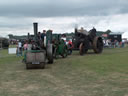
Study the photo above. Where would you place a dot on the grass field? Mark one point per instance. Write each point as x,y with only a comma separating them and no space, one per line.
90,75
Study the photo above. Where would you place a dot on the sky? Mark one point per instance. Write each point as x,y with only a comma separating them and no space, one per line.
17,16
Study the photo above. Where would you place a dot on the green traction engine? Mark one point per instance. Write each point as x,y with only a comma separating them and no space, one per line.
60,47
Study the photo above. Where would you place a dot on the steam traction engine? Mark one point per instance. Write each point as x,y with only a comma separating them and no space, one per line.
39,52
83,41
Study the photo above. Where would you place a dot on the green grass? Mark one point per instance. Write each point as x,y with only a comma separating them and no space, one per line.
90,75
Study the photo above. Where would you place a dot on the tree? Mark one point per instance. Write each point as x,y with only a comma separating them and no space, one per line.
108,31
10,36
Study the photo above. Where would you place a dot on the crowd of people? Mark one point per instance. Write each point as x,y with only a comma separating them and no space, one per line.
116,44
27,45
23,45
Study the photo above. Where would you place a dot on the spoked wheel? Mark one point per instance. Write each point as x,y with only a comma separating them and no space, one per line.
65,53
82,49
98,45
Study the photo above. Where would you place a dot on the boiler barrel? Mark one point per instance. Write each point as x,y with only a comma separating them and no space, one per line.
35,25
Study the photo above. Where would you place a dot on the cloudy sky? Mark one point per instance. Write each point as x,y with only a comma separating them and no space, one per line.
17,16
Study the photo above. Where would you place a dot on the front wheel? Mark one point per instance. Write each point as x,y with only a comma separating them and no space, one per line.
65,53
82,49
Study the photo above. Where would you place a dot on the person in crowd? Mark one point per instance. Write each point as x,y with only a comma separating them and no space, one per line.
26,46
104,42
39,35
110,43
43,35
92,33
107,43
63,37
29,47
70,47
116,44
123,43
19,48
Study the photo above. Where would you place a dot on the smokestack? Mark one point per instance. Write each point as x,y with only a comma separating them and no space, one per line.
35,25
76,31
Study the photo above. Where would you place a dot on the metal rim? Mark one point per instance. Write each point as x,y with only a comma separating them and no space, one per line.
81,49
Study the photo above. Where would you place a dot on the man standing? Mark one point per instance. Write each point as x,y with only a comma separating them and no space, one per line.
43,35
19,48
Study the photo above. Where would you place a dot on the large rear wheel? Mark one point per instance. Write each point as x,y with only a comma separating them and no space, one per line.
98,45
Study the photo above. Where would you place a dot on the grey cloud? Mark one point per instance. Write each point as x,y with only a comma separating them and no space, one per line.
17,16
8,22
52,8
